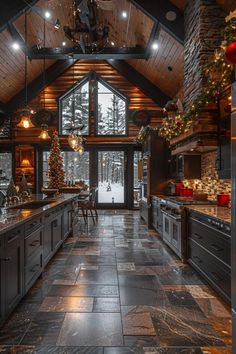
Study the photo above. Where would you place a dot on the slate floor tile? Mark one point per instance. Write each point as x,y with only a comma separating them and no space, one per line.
91,329
44,329
106,304
67,304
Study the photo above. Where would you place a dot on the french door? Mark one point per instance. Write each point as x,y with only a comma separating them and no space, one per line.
111,178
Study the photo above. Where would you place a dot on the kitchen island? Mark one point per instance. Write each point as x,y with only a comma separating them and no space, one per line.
30,234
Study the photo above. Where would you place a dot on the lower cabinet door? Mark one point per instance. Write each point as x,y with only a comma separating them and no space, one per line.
14,269
2,280
47,243
57,231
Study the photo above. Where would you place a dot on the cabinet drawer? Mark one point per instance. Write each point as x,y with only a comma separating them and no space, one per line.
215,271
215,242
32,270
14,234
33,244
32,225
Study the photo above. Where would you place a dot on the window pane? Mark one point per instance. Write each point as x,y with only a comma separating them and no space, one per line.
80,98
137,179
111,177
111,112
76,167
5,169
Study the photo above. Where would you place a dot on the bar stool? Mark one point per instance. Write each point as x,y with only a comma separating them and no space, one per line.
88,207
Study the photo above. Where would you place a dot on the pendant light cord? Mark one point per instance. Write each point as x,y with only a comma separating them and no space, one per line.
26,72
44,61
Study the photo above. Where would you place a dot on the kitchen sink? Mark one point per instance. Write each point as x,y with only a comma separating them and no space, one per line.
32,205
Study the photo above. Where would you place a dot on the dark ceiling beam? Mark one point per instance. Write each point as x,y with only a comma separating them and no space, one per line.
153,38
16,36
137,79
157,10
76,53
10,10
37,84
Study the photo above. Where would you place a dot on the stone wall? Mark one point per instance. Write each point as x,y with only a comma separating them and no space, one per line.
204,21
210,182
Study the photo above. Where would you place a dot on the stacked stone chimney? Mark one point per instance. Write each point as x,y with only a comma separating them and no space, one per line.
204,21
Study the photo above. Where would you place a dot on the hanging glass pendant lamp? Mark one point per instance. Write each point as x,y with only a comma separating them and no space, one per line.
73,139
44,132
44,127
25,114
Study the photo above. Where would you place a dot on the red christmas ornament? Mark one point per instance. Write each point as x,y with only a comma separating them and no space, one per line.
230,53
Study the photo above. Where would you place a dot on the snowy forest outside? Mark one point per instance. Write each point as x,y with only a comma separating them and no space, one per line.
111,111
5,169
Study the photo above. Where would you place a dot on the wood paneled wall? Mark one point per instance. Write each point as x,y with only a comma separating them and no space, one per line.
136,98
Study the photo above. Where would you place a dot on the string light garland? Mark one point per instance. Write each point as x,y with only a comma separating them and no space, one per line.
217,75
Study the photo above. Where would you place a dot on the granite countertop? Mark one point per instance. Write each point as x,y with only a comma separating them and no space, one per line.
12,218
219,213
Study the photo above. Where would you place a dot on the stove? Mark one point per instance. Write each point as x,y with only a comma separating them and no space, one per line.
174,222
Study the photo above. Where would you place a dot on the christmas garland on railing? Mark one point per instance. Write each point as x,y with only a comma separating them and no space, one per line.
217,74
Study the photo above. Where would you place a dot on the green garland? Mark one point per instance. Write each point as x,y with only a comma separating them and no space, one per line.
217,74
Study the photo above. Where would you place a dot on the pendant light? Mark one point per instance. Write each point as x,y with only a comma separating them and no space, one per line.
73,139
25,121
44,127
44,132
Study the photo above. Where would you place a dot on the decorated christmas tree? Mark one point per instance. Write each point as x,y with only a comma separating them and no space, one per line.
55,163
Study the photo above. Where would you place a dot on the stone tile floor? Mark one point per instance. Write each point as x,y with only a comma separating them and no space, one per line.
117,289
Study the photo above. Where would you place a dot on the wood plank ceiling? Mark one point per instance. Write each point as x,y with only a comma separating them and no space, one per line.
134,30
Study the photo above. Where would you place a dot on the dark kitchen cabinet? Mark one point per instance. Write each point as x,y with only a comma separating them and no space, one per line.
67,221
209,247
154,176
33,257
47,243
2,279
14,268
188,167
224,158
57,231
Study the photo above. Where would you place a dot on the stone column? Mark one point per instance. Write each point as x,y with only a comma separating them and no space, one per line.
204,21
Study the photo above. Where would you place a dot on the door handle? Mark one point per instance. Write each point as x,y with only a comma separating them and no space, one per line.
7,259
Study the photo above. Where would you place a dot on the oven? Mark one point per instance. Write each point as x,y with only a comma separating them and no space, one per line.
173,230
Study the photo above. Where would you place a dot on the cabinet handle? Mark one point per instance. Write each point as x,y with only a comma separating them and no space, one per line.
34,243
33,223
216,276
215,247
35,267
7,259
198,259
197,236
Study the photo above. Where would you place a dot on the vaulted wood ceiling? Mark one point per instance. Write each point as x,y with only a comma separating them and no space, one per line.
164,68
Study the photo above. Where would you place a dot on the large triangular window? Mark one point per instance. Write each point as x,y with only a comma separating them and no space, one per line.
74,109
110,108
111,111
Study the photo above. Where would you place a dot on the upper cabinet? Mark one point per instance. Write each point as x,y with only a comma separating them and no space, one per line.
185,167
223,164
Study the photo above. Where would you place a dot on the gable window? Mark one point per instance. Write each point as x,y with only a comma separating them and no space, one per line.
75,109
110,112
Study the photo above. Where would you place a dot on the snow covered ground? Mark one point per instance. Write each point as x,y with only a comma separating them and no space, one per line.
117,192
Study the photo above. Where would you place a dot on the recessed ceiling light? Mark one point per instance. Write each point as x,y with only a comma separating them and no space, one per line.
15,46
47,14
64,44
155,46
171,16
124,14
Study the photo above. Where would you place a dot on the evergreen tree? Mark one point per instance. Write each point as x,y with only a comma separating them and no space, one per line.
56,171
